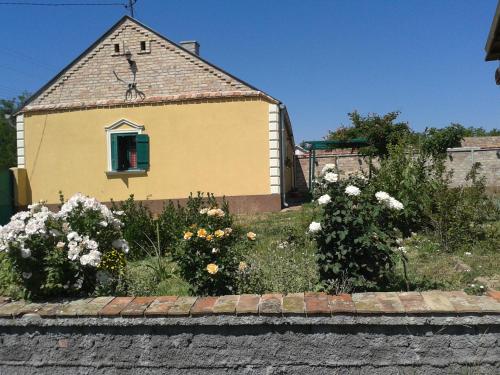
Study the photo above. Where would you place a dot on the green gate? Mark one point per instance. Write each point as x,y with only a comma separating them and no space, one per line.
6,196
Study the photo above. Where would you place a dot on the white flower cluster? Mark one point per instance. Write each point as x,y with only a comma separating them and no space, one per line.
391,202
77,245
324,199
90,204
314,227
22,226
352,190
328,168
25,225
331,177
212,212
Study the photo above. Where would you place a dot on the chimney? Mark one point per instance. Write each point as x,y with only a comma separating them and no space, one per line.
192,46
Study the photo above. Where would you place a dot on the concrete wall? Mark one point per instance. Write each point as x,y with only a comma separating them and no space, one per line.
459,159
380,345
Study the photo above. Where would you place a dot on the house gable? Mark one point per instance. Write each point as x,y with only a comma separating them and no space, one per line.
104,73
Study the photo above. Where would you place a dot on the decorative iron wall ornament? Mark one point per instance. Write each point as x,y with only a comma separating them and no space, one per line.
132,93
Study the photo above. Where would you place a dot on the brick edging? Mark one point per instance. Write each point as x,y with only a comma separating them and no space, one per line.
296,304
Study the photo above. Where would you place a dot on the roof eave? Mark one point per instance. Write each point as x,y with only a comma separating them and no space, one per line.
492,47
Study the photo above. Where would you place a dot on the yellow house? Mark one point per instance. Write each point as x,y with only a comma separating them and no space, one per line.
139,114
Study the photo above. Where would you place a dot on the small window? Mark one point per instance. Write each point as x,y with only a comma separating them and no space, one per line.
129,152
117,48
143,46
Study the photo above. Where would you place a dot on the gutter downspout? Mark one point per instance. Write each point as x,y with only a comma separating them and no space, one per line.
282,155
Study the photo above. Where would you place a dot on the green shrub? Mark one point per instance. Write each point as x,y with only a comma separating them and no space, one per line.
138,225
208,258
171,223
414,180
460,215
357,233
10,283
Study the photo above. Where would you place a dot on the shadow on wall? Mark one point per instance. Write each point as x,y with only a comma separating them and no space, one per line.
21,188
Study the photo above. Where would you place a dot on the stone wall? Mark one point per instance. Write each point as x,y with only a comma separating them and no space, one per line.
312,333
252,345
460,160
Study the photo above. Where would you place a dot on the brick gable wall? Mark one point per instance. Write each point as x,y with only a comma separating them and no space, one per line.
165,71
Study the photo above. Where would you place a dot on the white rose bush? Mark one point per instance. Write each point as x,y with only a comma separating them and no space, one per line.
61,253
357,233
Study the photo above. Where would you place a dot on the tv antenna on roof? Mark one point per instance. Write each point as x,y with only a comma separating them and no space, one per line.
130,7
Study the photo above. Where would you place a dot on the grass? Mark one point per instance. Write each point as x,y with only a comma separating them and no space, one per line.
284,257
283,260
429,267
143,280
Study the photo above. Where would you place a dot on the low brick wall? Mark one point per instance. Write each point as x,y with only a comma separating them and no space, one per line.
312,333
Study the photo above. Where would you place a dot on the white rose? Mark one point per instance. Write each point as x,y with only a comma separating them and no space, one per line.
382,196
328,167
91,259
352,190
314,227
395,204
331,177
324,199
73,236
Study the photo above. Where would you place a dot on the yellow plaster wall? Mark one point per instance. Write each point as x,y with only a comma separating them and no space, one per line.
221,147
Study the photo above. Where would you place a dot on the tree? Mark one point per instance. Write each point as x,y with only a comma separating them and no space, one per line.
435,141
8,130
380,132
472,131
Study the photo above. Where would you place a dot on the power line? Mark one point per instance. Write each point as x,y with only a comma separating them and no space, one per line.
60,4
129,5
27,58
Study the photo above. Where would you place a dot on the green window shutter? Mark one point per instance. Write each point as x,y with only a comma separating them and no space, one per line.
114,152
142,141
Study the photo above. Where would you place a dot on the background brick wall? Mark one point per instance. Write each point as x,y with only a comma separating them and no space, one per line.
460,160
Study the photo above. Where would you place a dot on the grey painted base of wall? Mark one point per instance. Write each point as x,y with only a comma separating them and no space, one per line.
252,345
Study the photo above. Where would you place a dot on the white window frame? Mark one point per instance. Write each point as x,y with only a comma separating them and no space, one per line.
115,129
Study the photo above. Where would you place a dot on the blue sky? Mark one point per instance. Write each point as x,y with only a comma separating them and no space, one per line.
322,58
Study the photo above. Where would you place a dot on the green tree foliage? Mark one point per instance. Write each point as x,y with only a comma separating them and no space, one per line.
435,142
380,131
472,131
8,130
